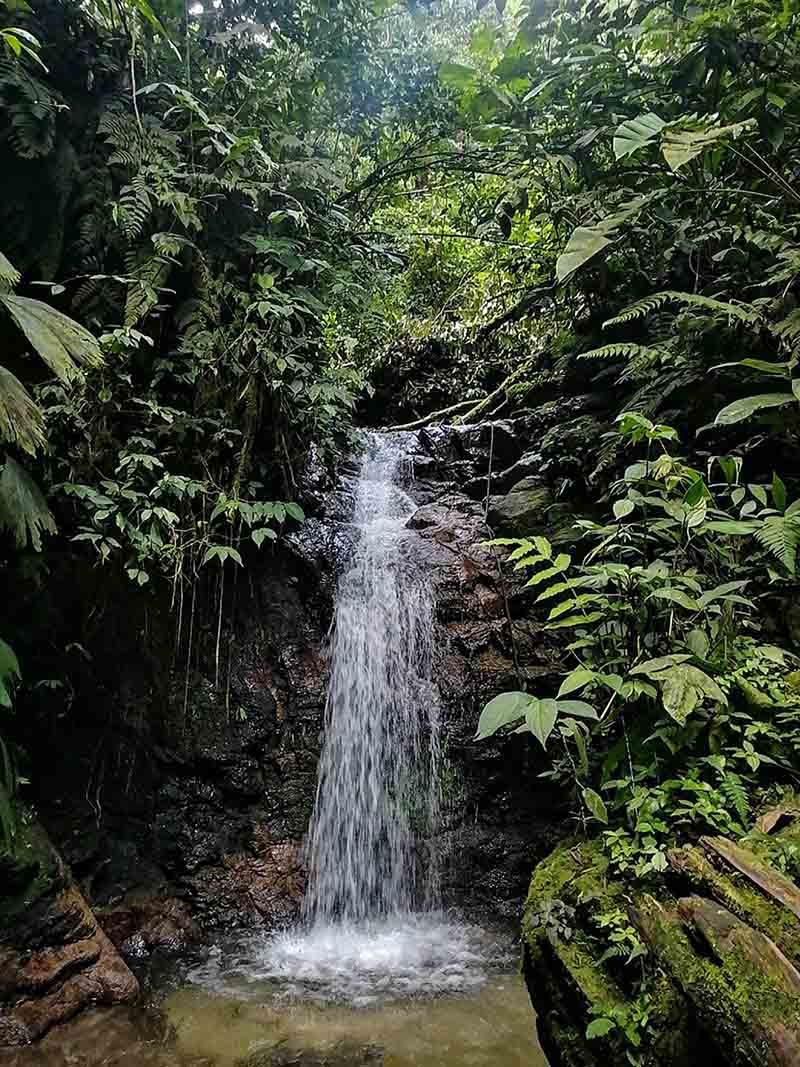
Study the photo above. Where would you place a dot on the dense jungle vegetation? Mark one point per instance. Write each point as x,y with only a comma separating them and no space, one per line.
231,231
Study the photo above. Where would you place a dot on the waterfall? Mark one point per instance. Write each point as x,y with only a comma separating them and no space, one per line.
371,927
377,793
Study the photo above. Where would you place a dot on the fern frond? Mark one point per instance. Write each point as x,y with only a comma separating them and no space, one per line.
142,294
21,421
741,312
732,788
23,508
780,534
788,329
133,208
620,350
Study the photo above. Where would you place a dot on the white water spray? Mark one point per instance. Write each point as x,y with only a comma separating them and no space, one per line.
377,794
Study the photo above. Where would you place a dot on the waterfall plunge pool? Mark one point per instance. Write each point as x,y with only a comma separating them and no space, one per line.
418,991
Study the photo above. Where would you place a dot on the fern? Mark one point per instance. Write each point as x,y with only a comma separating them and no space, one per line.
780,534
133,208
620,350
741,312
31,110
142,294
733,789
788,329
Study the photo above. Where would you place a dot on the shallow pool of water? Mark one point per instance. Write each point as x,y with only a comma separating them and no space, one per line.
413,992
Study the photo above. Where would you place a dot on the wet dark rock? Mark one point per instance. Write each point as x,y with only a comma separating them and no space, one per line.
523,509
146,921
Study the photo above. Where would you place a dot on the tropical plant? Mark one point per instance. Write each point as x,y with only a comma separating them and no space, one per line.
657,726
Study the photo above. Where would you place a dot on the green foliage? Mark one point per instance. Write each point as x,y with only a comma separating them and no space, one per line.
667,649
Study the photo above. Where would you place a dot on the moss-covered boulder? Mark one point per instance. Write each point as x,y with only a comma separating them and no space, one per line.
522,509
703,969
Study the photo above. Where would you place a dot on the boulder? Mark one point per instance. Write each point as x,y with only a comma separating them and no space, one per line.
55,960
522,510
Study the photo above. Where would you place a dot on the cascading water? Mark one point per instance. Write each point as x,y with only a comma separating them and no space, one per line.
379,767
370,927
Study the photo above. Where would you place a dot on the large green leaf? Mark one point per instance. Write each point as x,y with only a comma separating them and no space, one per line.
458,76
634,134
680,146
743,409
60,341
9,673
540,718
583,245
586,241
502,711
683,687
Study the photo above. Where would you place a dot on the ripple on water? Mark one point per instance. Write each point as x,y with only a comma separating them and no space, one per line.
357,963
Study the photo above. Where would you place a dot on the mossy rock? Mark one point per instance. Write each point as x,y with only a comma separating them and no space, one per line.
31,874
523,508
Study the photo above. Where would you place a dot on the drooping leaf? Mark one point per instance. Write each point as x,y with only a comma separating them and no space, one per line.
540,718
21,421
9,275
594,802
583,245
9,673
60,341
680,146
743,409
501,711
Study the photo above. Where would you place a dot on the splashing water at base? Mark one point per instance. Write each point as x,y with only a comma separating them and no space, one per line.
362,964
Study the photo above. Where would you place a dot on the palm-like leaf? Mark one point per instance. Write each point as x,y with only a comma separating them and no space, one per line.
61,342
21,421
23,508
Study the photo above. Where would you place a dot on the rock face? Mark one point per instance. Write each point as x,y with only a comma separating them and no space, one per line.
722,951
55,960
189,775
